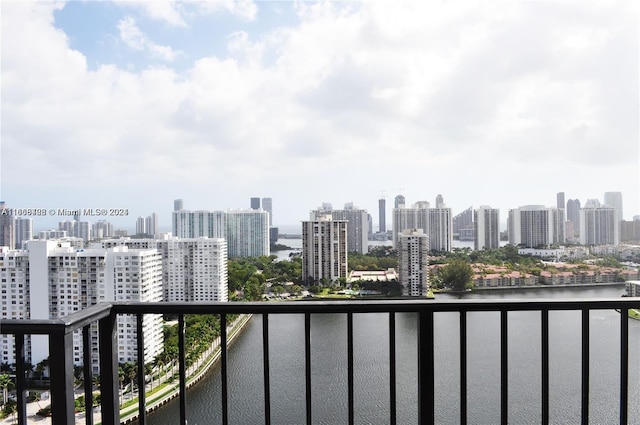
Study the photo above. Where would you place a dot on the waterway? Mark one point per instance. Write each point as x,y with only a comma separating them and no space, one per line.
329,369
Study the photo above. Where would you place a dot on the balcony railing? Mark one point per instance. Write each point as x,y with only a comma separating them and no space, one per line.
60,334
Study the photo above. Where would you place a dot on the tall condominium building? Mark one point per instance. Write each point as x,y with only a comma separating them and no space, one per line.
535,226
614,200
7,227
255,203
599,226
382,215
196,224
357,231
267,205
141,226
192,269
436,222
178,205
76,229
630,231
247,233
100,230
399,201
560,200
487,228
462,224
439,201
413,263
24,231
52,279
573,215
324,250
151,224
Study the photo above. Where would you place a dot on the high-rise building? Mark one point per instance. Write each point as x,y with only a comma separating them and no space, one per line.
193,269
439,201
267,205
599,226
462,224
399,201
435,222
7,227
357,231
53,279
413,262
151,224
255,203
573,215
24,231
324,250
382,214
141,228
440,229
197,224
178,205
99,230
487,230
630,231
535,226
614,199
560,200
247,233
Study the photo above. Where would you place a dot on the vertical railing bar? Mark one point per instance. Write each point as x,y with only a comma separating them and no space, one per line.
504,368
109,396
21,386
350,366
88,375
463,367
142,414
307,364
624,365
392,368
545,365
61,387
182,361
265,356
223,371
426,400
585,366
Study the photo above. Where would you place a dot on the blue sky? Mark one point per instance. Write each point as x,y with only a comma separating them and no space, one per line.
133,104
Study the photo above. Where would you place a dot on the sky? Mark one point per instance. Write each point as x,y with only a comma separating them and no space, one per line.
132,104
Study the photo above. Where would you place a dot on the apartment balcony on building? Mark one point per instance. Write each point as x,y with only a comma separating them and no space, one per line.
417,317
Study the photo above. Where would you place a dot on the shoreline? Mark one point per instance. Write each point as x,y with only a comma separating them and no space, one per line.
155,401
565,285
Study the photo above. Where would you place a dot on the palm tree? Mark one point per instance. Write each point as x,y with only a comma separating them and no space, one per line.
6,384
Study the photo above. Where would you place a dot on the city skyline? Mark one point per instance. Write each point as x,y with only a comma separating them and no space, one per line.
216,102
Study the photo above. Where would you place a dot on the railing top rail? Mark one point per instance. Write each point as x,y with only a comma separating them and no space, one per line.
92,314
64,324
372,306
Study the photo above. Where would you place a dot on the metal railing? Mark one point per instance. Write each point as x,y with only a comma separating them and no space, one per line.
60,334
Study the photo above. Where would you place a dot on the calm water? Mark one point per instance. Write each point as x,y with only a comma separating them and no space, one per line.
329,370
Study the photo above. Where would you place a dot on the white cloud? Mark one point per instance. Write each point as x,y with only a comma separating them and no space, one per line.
433,98
137,40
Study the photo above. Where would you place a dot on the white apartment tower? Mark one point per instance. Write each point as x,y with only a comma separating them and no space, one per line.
599,226
52,279
358,228
435,222
413,262
193,269
247,233
197,224
535,226
324,250
486,223
24,231
614,200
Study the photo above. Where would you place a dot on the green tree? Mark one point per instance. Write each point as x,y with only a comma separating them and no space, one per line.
6,383
457,274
